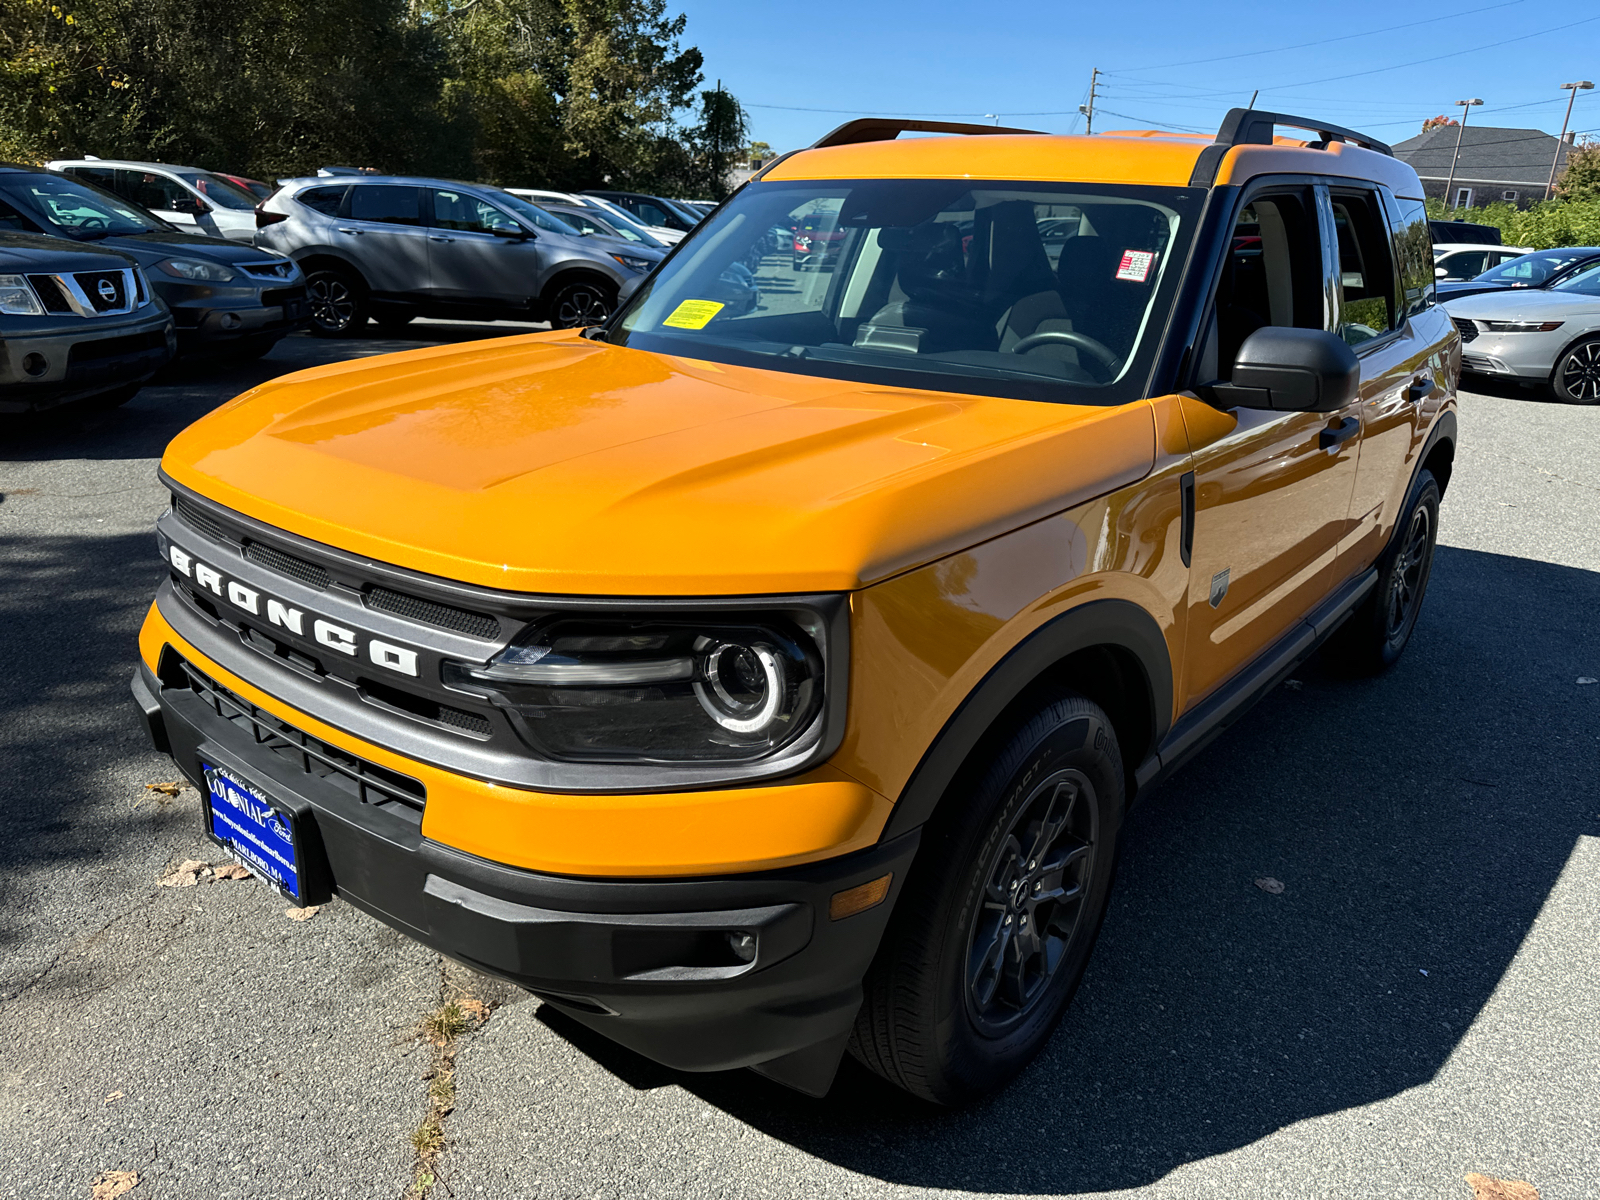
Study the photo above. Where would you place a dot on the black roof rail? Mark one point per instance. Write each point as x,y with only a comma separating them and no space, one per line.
1253,127
886,129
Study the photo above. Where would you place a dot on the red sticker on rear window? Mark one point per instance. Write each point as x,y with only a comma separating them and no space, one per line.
1136,265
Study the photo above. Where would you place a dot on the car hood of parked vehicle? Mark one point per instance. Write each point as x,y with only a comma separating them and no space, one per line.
1521,304
24,252
551,463
158,244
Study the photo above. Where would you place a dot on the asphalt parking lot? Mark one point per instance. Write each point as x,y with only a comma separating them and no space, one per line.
1421,1001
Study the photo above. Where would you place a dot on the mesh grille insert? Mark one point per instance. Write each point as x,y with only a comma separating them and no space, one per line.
444,616
287,564
1467,329
197,519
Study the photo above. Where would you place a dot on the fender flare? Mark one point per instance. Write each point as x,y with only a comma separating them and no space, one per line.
1113,623
1444,430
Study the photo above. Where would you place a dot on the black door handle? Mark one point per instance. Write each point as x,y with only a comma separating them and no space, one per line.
1419,387
1334,435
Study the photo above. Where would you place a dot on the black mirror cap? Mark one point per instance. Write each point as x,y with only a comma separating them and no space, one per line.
516,235
1295,370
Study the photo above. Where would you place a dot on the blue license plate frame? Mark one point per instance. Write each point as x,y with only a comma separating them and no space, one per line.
259,832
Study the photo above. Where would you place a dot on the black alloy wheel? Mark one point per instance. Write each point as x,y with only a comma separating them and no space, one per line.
580,304
1576,378
1033,901
338,303
994,927
1409,576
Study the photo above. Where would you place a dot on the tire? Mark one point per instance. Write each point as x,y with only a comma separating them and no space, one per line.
1377,633
581,303
1576,377
338,303
963,993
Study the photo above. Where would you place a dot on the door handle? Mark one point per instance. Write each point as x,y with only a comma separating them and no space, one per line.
349,230
1418,388
1335,435
432,238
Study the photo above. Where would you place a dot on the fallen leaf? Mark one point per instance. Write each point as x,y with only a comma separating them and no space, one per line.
1294,685
302,914
476,1009
109,1184
232,871
1585,680
1485,1187
172,788
1270,885
186,874
111,1097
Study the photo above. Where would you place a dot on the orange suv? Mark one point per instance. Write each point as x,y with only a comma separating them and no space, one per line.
760,685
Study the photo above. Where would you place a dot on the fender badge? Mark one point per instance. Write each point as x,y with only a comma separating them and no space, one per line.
1219,587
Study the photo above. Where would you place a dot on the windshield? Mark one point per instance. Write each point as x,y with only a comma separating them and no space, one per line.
218,190
624,220
76,209
1533,269
1586,282
538,217
1047,291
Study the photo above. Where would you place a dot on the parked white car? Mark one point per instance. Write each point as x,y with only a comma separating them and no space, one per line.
614,213
194,200
1468,260
1546,334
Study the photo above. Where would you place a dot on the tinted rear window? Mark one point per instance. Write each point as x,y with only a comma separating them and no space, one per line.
324,200
389,204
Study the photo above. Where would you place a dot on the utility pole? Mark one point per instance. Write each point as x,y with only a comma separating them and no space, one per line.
1088,109
1466,107
1583,85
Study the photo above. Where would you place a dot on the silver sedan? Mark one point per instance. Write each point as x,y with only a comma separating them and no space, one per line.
1549,334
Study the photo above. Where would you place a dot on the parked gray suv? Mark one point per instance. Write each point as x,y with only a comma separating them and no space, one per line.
392,248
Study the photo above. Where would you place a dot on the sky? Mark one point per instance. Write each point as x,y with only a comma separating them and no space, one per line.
800,69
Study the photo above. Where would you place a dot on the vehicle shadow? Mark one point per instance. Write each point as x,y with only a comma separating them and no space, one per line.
1510,389
188,389
1418,822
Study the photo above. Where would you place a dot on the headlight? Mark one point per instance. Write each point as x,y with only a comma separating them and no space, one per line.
1520,326
197,269
17,298
662,691
641,265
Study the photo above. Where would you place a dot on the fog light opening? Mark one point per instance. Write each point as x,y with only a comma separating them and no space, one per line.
743,945
859,898
35,364
231,320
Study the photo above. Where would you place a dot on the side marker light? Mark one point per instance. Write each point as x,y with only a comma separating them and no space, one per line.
859,898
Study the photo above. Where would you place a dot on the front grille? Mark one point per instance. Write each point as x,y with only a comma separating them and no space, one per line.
133,343
428,612
287,564
367,781
200,520
1468,329
278,297
91,282
50,293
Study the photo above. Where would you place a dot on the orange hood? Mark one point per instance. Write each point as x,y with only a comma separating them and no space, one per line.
549,463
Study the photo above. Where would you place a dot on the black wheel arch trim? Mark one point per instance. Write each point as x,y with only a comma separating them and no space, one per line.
1111,623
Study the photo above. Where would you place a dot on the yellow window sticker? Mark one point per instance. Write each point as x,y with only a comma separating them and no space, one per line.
694,314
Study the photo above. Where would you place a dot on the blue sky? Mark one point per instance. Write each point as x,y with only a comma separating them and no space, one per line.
1169,65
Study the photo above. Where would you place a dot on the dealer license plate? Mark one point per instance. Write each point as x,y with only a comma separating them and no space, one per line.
253,829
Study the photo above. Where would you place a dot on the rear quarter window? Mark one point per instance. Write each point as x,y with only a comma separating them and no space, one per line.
324,200
1413,249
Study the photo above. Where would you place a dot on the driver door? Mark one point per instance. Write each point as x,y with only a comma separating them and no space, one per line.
469,262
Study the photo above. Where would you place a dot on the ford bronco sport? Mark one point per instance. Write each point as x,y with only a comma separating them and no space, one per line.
754,686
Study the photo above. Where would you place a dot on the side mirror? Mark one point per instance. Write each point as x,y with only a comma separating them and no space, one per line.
516,235
628,288
1291,370
1441,272
191,205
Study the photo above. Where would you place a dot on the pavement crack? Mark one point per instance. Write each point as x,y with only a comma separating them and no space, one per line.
75,945
458,1015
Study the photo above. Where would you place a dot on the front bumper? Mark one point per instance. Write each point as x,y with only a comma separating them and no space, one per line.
81,358
645,961
212,316
1530,356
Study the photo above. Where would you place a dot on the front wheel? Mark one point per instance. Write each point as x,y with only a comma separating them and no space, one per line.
338,303
1576,378
582,303
993,931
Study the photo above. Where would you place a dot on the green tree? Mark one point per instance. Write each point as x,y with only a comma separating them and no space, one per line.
1580,180
717,141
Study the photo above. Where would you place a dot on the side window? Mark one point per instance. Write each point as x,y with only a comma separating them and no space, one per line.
384,203
100,176
1272,276
1465,264
1414,248
324,200
155,192
468,214
651,214
1367,307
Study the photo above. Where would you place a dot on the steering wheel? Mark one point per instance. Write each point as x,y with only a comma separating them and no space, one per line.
1079,341
93,223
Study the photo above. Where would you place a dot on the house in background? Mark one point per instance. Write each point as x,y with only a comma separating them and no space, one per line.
1495,164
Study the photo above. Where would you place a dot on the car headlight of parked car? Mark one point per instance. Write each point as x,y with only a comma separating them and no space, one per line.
17,298
634,264
655,690
1520,326
196,269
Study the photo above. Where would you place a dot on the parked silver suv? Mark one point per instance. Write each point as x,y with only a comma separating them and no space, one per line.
392,248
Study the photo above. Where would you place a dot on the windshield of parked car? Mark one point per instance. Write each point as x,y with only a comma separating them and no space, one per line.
589,222
218,190
952,285
58,204
1535,268
1586,282
537,217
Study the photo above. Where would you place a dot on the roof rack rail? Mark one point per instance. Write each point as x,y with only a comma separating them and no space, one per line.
1253,127
886,129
